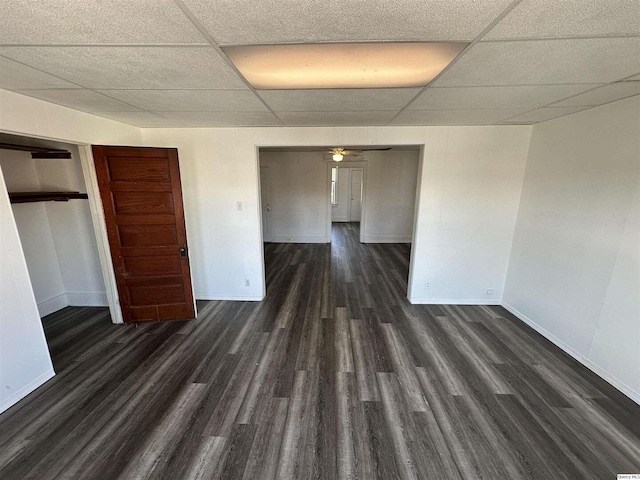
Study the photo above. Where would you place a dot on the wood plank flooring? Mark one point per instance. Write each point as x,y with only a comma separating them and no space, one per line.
333,376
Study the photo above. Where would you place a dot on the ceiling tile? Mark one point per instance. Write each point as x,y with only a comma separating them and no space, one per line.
599,96
220,119
14,75
275,21
80,99
540,62
339,118
543,114
494,97
95,22
139,119
190,100
569,18
336,100
194,119
131,67
453,117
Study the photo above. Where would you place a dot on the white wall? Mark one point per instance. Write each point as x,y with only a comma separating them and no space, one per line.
468,200
391,195
299,196
31,117
24,358
574,270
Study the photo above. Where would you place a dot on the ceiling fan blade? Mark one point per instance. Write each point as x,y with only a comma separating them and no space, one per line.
375,149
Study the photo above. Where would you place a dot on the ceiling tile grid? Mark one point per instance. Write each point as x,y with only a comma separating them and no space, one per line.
569,18
339,118
248,22
545,62
543,114
328,100
190,100
602,95
158,63
487,116
494,97
140,119
92,22
131,67
81,99
16,76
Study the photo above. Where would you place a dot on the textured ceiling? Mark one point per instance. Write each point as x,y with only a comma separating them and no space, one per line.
159,63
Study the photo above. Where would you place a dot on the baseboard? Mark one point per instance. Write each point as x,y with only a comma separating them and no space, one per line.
608,377
454,301
26,390
47,307
299,239
231,298
387,239
339,220
87,299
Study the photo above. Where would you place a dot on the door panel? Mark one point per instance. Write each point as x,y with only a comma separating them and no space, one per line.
142,199
355,205
150,266
135,203
137,169
265,200
147,235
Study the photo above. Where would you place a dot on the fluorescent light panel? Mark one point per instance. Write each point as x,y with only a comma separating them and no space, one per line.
342,65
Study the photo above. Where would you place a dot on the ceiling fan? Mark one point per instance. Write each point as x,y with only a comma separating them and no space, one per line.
338,153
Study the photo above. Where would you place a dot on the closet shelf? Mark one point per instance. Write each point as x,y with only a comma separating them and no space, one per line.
26,197
37,152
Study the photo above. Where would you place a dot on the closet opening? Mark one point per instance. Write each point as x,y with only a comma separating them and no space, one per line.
50,206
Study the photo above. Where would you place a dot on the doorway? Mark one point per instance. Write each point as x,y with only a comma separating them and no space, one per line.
306,195
50,206
346,194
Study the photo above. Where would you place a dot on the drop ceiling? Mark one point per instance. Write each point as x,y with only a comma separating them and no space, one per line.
161,63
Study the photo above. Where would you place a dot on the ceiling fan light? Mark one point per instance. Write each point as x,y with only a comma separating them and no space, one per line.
338,157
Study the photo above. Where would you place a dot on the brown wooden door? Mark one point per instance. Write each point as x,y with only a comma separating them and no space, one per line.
142,199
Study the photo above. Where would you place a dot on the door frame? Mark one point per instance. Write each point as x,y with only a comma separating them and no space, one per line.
351,171
363,207
100,230
264,216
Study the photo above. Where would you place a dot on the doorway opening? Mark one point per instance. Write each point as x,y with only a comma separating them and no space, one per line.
305,195
346,193
50,207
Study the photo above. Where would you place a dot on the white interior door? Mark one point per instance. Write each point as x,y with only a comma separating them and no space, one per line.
265,201
355,203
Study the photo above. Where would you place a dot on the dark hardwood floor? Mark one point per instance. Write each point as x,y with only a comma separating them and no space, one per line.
333,375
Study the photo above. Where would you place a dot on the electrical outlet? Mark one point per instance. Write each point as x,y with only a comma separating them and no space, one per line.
489,291
247,282
428,285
